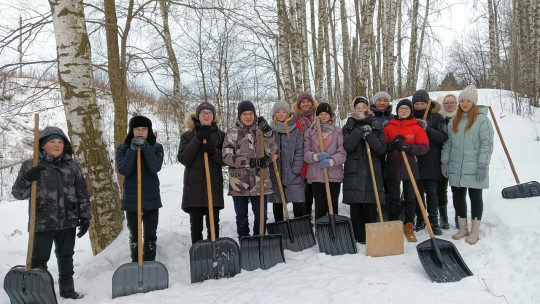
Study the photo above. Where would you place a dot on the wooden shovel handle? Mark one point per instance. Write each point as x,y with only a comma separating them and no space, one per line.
325,170
418,197
374,181
33,192
427,109
139,209
261,185
209,194
281,192
504,146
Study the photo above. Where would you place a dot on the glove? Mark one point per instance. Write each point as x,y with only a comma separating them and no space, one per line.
84,223
325,163
33,173
203,132
396,140
322,156
208,148
444,170
138,142
366,130
480,174
423,123
263,125
401,146
259,163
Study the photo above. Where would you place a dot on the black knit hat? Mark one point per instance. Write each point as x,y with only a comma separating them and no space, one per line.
324,107
205,106
420,95
359,99
405,102
243,106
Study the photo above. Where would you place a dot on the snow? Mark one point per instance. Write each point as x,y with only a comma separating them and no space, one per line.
505,262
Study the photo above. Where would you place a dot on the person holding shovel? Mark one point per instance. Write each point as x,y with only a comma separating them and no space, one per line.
465,161
242,154
62,204
403,133
360,130
333,157
290,161
141,136
201,125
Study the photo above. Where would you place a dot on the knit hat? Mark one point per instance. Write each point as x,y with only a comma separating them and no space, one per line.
469,93
420,95
281,105
359,99
381,94
243,106
205,106
404,102
50,137
302,96
324,107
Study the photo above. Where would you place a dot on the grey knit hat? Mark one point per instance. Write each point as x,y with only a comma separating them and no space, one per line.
469,93
281,105
381,94
205,106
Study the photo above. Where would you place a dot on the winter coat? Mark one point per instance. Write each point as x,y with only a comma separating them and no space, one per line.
357,183
465,151
194,192
430,163
335,150
290,164
62,196
240,145
383,116
415,136
151,162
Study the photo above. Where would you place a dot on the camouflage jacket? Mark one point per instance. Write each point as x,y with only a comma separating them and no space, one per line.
242,143
62,196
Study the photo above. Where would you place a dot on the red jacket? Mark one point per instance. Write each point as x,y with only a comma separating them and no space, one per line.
415,136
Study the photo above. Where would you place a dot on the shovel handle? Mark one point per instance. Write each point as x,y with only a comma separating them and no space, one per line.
325,170
139,209
427,109
281,192
261,186
374,181
504,146
418,197
209,195
33,193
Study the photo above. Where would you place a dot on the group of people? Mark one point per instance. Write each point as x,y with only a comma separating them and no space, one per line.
444,144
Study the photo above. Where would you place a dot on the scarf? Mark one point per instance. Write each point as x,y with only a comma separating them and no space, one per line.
306,118
327,131
290,122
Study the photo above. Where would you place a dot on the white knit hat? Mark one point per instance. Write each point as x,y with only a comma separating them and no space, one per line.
469,93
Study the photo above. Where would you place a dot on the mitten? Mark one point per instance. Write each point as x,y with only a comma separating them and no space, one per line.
396,140
203,132
444,170
138,142
84,223
322,156
259,163
325,163
480,174
401,146
33,173
366,130
422,123
208,148
263,125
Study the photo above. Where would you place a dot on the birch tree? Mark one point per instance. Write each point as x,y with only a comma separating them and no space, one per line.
411,72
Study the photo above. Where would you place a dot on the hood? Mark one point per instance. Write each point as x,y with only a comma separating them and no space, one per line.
55,130
296,110
189,121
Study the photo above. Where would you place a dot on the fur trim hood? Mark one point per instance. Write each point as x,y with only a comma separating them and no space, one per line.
189,122
296,110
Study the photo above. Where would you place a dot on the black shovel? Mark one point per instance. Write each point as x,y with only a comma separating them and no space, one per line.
440,258
22,283
137,277
297,233
214,258
520,190
261,251
334,232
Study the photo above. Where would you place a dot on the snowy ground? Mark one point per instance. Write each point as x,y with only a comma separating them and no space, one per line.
505,261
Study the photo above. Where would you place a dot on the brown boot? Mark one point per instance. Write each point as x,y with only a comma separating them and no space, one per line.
409,234
474,235
463,229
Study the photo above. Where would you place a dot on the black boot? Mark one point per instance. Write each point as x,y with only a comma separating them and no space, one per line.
134,251
67,291
149,251
443,217
435,225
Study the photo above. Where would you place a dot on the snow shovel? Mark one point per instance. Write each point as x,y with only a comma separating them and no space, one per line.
214,258
520,190
297,233
137,277
440,258
384,238
334,232
22,283
262,251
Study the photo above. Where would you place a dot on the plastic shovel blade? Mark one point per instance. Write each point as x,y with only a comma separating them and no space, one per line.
214,260
335,235
530,189
297,233
262,251
131,278
452,267
34,286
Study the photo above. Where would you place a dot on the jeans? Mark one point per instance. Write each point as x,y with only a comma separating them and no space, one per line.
241,210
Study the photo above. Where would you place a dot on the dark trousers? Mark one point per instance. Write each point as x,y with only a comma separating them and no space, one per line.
64,242
149,222
362,214
395,198
308,204
442,192
321,202
428,192
196,217
241,210
298,211
460,202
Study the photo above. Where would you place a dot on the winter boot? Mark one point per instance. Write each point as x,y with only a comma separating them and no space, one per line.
134,251
149,251
433,220
409,234
443,218
420,224
67,291
463,229
474,235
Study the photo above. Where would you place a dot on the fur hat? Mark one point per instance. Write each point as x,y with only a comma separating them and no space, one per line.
469,93
243,106
381,94
140,121
281,105
420,95
205,106
324,107
359,99
302,96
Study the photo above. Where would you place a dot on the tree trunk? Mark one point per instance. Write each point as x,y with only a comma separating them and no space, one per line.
411,72
389,32
326,39
421,46
346,56
284,51
339,102
399,90
295,42
301,11
319,63
366,45
84,120
493,43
